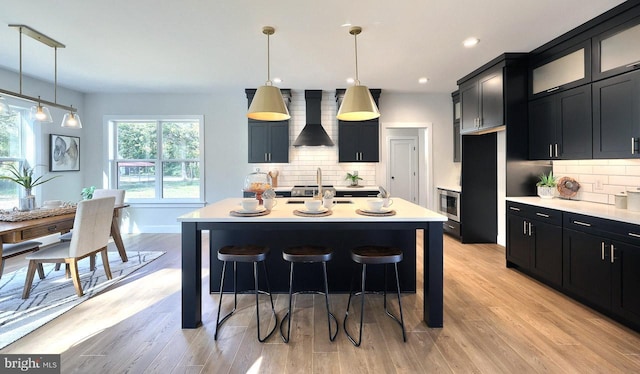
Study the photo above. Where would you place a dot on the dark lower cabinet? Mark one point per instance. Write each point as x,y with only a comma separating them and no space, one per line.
594,260
626,281
534,241
587,271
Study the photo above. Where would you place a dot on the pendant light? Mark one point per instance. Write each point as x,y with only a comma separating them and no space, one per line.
40,113
71,120
357,104
267,103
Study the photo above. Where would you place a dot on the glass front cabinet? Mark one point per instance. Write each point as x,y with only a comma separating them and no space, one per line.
617,50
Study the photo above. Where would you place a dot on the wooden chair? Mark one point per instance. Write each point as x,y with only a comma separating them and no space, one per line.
92,226
17,249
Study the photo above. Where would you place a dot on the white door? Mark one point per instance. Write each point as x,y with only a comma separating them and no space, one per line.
403,168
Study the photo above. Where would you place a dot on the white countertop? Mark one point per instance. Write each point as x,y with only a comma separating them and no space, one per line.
451,188
582,207
283,212
338,188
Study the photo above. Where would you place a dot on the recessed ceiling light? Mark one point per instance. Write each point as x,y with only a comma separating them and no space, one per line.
350,80
277,80
345,25
470,42
423,80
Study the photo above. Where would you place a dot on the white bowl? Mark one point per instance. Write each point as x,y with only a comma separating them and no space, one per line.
313,205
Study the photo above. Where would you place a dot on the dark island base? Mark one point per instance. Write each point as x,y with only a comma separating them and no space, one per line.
309,276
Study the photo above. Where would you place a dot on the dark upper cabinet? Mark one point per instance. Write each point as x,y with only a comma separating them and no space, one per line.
616,116
560,125
268,140
617,50
358,141
482,102
457,150
555,71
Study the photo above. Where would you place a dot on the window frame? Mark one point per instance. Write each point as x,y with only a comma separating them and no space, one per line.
113,159
26,152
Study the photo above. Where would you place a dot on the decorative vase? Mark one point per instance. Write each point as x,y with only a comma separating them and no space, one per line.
27,202
546,192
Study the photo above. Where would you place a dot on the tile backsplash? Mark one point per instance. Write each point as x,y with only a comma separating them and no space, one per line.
304,161
600,180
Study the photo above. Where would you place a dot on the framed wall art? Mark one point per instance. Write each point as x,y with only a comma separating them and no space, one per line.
64,153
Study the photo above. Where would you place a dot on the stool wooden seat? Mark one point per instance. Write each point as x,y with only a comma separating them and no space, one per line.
308,254
374,255
245,253
16,249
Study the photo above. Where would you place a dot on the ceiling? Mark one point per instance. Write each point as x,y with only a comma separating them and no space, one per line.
199,46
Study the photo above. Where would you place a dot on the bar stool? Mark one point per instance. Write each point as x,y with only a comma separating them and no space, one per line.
374,255
308,254
246,253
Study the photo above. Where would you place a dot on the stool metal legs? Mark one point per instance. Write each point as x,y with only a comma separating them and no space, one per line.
290,311
235,299
362,293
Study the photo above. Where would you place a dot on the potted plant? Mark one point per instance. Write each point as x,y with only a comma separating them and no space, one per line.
24,177
354,178
87,192
547,185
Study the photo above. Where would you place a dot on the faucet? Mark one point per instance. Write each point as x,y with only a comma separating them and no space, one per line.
319,181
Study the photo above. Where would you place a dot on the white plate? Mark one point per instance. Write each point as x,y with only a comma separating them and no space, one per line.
381,211
319,211
257,210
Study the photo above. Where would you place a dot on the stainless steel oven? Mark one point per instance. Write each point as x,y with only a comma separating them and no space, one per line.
449,204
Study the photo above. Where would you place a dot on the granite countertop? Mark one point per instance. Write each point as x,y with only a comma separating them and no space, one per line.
283,212
581,207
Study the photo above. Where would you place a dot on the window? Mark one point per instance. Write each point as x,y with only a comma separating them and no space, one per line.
11,152
158,159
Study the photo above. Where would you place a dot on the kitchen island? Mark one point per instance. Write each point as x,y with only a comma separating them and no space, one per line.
342,230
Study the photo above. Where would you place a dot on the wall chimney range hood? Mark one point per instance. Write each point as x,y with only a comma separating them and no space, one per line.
313,134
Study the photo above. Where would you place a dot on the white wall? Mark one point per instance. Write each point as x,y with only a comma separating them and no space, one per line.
225,149
69,185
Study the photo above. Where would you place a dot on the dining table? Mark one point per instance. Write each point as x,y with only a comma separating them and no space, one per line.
349,223
29,229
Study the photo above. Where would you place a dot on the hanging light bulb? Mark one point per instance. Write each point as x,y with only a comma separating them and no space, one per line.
41,113
357,104
71,120
267,103
4,107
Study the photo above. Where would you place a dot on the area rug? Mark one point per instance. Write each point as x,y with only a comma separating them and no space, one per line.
55,295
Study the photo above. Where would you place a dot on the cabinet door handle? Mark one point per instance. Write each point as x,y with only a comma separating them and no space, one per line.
602,250
634,64
553,89
612,253
634,235
451,227
542,215
518,209
529,228
550,150
556,149
633,146
582,223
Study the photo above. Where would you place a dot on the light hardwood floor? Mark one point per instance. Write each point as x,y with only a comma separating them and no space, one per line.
496,321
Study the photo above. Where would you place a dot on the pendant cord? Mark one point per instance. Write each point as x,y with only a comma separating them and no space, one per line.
268,60
20,37
355,40
55,74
